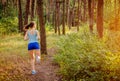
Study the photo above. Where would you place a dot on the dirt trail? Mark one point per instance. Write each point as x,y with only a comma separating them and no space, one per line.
46,71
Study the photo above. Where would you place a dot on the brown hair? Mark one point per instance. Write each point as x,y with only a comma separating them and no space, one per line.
30,25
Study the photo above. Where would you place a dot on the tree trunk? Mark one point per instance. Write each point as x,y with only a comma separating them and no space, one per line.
27,12
78,14
100,18
84,13
73,13
63,17
48,11
56,16
70,19
4,4
42,26
53,13
20,21
32,9
67,11
90,9
92,14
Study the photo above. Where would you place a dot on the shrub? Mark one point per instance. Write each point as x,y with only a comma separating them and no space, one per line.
8,25
84,57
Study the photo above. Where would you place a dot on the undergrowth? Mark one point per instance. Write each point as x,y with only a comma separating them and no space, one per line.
13,58
84,57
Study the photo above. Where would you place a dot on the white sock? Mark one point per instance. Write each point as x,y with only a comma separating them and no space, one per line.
38,57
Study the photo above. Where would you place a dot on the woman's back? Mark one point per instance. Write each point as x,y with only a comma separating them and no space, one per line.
32,36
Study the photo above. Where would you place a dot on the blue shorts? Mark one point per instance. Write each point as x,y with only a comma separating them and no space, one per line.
33,46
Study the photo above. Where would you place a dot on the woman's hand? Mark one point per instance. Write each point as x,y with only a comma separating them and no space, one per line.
26,37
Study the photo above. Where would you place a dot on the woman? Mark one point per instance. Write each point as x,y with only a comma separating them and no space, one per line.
32,35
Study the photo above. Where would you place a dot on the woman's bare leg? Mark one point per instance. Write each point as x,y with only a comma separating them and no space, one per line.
38,54
32,59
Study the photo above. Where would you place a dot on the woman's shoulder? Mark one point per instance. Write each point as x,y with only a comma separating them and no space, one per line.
27,31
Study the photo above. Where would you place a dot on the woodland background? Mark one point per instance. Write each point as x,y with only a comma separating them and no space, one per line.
84,33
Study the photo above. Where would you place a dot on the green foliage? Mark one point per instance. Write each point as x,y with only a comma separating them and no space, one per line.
48,26
84,57
8,18
8,25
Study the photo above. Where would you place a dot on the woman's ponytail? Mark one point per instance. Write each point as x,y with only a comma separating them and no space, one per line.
30,25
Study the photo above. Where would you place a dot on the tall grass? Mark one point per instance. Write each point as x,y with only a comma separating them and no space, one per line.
13,58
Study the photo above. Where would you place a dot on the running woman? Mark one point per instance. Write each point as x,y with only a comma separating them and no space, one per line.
32,35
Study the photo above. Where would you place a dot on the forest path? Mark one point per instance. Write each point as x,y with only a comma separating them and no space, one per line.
46,70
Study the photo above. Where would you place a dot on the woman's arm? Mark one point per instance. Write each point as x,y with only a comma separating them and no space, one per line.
38,35
26,37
